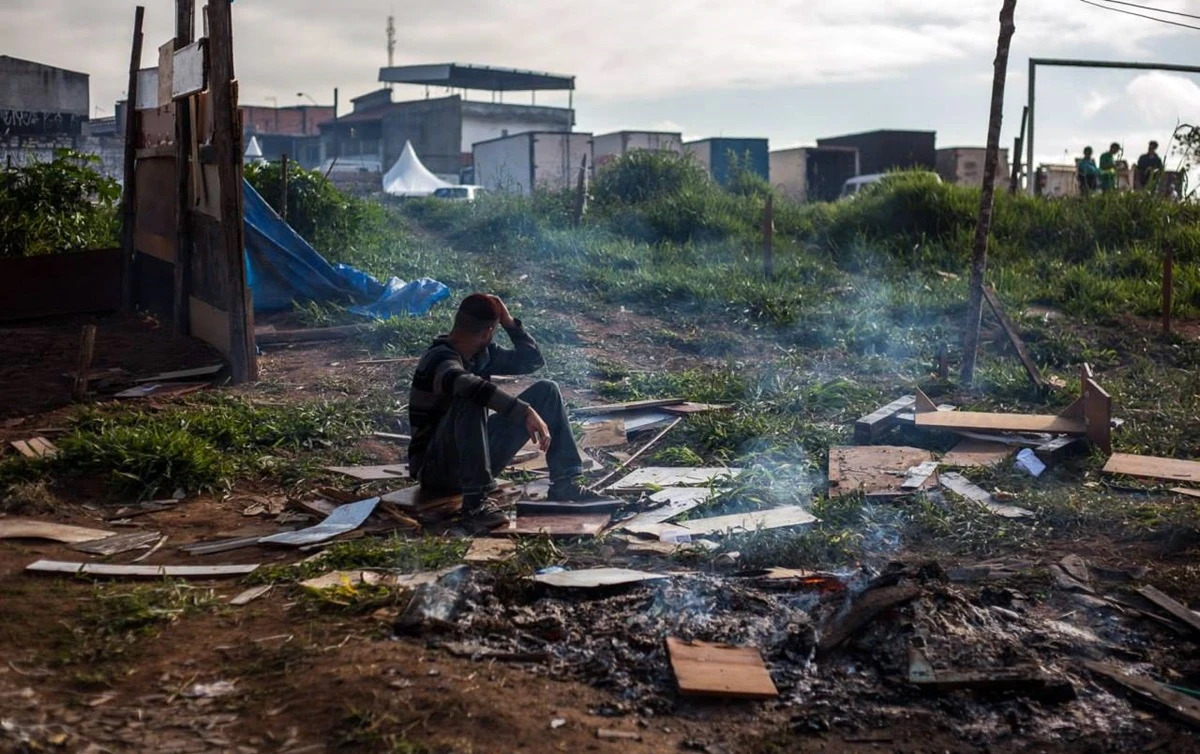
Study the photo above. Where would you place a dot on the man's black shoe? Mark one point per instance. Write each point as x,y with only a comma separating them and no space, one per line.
483,512
572,492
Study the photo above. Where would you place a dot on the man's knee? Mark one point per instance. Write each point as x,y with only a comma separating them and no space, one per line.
541,394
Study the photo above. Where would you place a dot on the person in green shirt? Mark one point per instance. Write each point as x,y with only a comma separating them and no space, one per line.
1087,173
1108,168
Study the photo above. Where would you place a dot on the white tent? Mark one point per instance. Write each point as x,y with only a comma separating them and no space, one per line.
408,177
254,151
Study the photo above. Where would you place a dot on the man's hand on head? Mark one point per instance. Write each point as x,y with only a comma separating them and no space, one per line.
502,314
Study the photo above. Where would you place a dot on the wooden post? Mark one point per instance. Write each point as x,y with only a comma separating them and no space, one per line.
226,140
1014,183
1168,283
580,194
768,236
185,31
87,348
129,195
283,189
979,253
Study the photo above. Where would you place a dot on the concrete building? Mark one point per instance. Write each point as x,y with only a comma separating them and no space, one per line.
443,130
39,100
964,166
534,161
608,147
881,151
812,174
719,155
294,131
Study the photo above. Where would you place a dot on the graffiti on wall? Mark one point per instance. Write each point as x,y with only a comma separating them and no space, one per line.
39,122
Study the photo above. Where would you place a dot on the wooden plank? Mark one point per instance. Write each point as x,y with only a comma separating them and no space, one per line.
604,434
1097,415
212,546
868,428
1185,491
487,550
189,65
583,525
557,507
23,447
129,184
43,447
875,470
991,422
1152,467
773,518
140,571
414,501
209,323
1178,705
866,608
918,475
155,245
1178,611
28,528
118,543
251,594
372,473
960,485
688,408
1014,337
208,371
594,578
161,390
343,519
87,350
674,501
165,66
970,452
617,408
654,477
707,669
310,334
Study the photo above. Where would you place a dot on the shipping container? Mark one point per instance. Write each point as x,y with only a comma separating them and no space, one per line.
964,166
608,147
881,151
812,174
718,156
536,160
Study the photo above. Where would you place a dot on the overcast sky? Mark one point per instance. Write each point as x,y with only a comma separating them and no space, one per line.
789,70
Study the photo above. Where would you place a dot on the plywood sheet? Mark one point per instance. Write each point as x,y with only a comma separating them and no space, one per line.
1153,468
140,571
971,452
874,469
581,525
592,578
673,501
704,669
209,324
651,477
989,422
372,473
604,434
774,518
28,528
118,543
486,550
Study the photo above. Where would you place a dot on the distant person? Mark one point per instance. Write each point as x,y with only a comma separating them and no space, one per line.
1149,168
1108,168
1087,173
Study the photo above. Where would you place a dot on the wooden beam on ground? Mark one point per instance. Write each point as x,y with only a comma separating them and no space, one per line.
977,421
866,608
140,571
1014,337
1177,610
1180,706
309,335
870,427
1097,415
704,669
1150,467
129,192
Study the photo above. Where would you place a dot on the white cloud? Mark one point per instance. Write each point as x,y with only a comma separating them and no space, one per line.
1160,96
1095,103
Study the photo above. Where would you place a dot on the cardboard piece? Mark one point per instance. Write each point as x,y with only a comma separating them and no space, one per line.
651,477
486,550
918,475
581,525
118,543
28,528
1151,467
372,473
773,518
674,502
604,434
875,470
704,669
591,578
960,485
251,594
970,452
343,519
140,571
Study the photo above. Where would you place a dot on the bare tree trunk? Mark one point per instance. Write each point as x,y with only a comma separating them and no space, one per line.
986,196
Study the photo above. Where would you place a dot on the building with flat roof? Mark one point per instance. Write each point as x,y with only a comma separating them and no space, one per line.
889,149
294,130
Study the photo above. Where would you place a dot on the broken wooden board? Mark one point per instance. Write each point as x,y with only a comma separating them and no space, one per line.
604,434
1186,491
557,507
705,669
1177,610
957,421
875,470
160,390
118,543
582,525
35,447
772,518
870,427
960,485
918,475
970,452
593,578
28,528
1151,467
688,408
251,594
674,502
416,502
211,546
343,519
1029,679
1014,337
866,608
487,550
182,374
655,477
140,571
618,408
1178,705
372,473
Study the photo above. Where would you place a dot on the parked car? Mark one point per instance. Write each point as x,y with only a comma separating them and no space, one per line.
859,183
459,193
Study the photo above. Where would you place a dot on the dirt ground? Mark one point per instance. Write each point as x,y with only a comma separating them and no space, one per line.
309,681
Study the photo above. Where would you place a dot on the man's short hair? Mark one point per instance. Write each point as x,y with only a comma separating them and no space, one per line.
1087,150
475,314
1114,147
1154,145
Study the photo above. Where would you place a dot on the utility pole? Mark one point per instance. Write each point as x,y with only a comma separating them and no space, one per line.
987,195
391,43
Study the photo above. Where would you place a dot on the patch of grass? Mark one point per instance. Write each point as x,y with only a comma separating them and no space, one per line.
28,498
394,553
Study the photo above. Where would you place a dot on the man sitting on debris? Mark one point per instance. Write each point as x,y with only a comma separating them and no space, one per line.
456,446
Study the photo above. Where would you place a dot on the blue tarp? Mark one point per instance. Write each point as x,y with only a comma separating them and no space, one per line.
282,268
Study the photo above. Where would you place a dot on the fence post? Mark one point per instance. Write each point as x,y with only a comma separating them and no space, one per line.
283,189
768,235
1167,288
